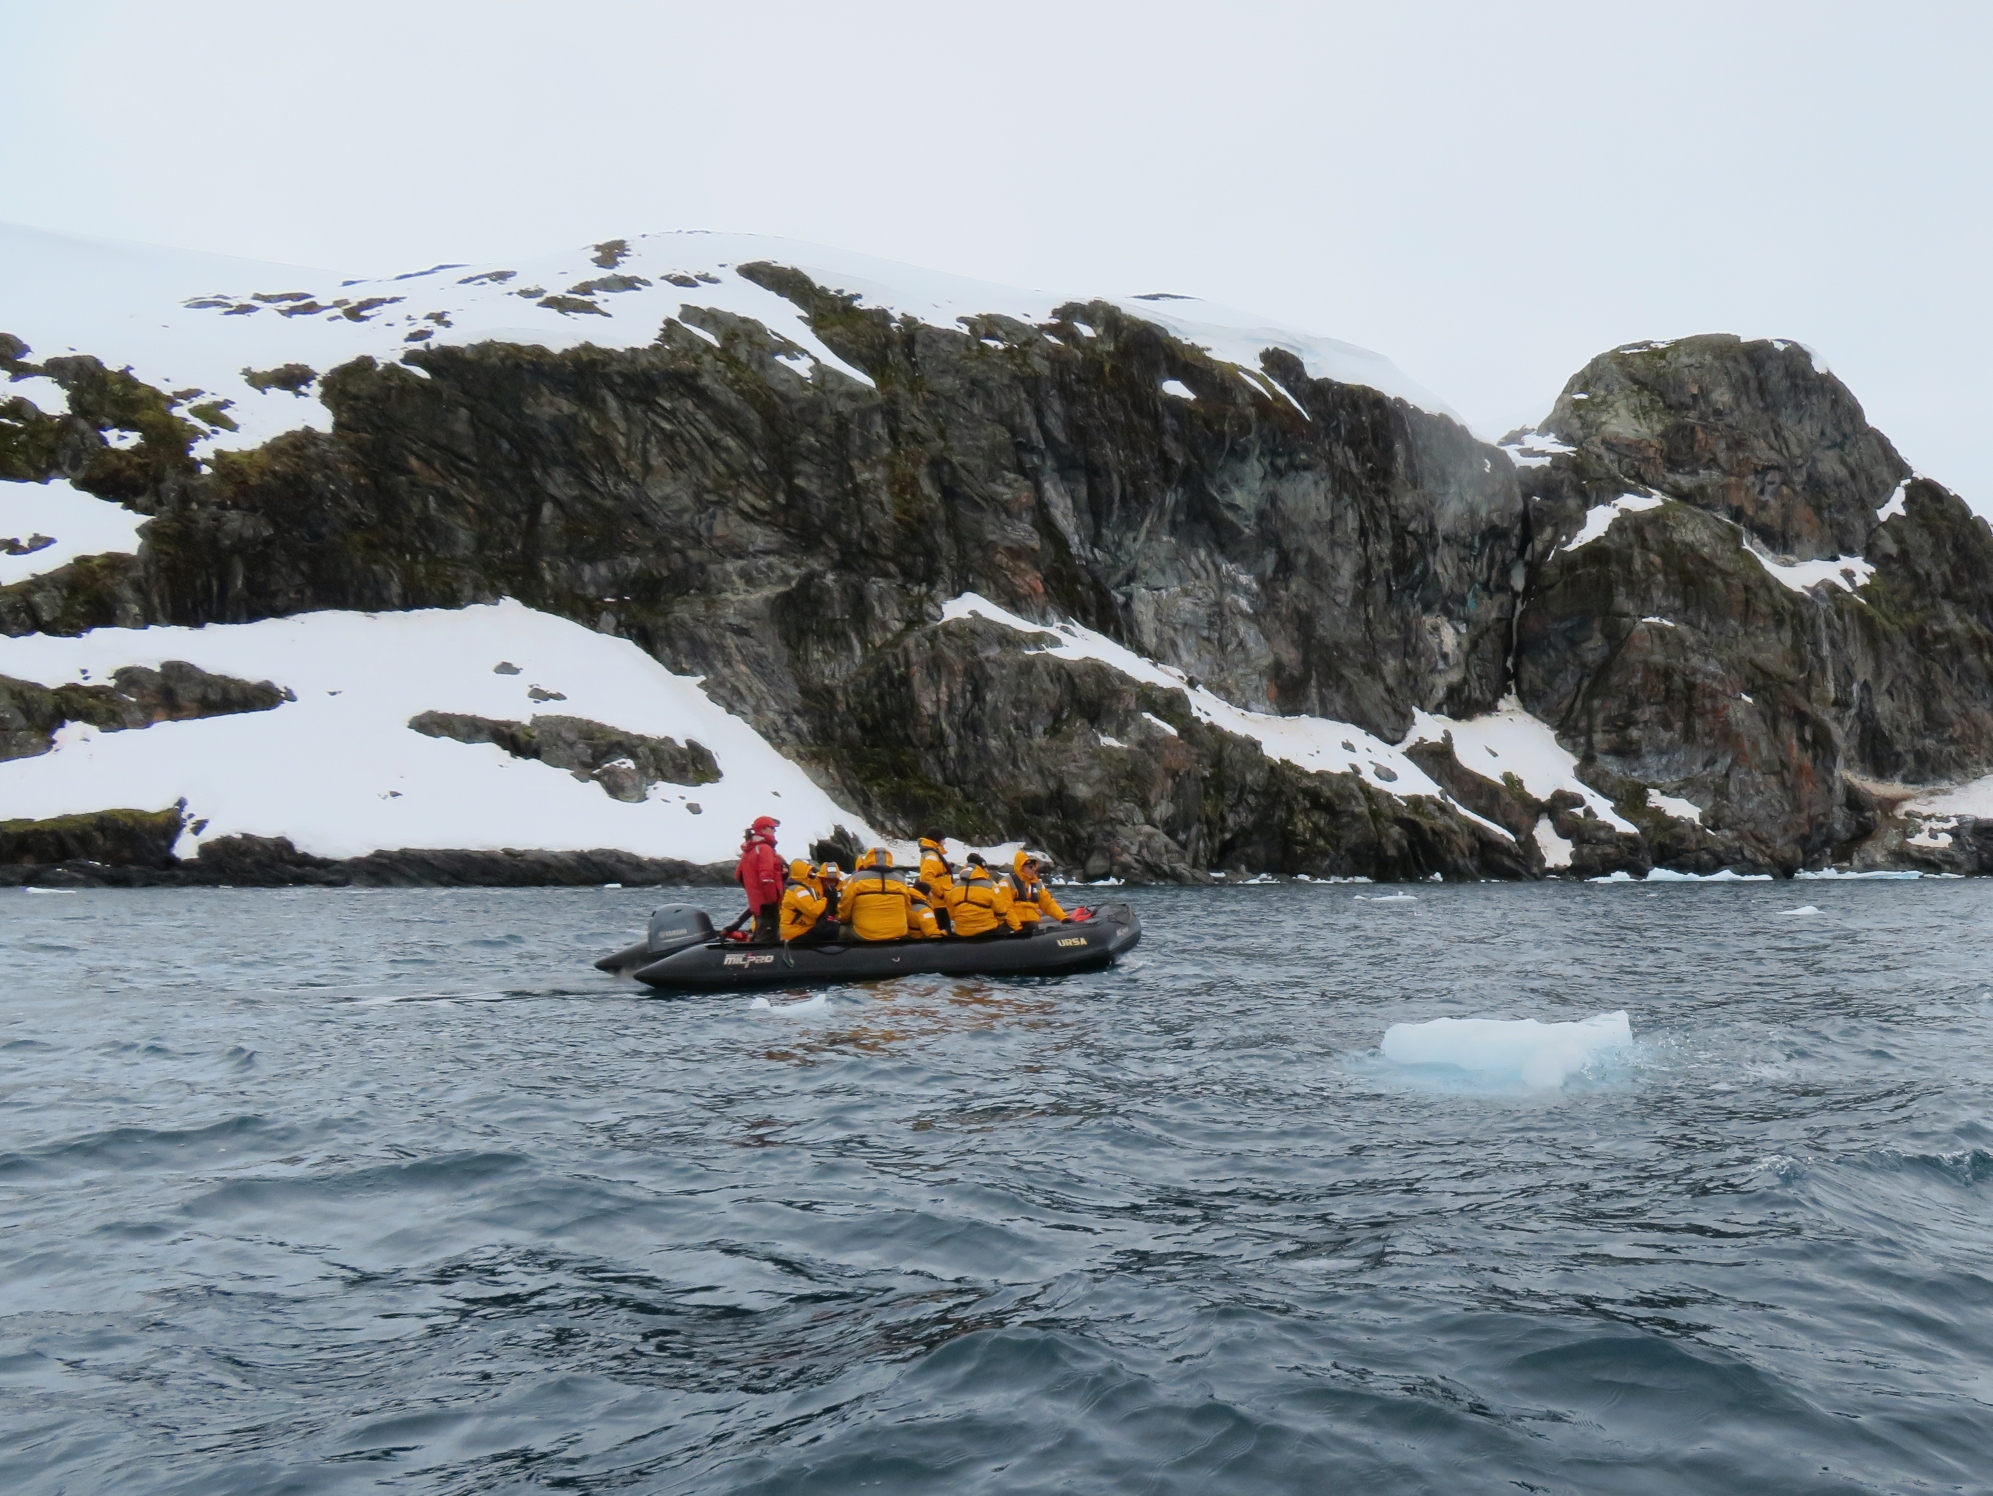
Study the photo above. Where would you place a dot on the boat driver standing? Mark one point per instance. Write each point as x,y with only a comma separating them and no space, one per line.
760,877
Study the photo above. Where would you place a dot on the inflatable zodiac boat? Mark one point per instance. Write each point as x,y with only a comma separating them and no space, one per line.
683,953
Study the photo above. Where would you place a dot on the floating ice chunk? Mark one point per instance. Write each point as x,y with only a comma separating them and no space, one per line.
1388,898
1542,1055
1669,875
1802,909
816,1004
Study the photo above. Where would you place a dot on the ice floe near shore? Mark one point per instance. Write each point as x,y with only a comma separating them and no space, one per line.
1540,1055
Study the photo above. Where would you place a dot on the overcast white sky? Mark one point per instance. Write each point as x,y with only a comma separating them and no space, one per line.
1488,193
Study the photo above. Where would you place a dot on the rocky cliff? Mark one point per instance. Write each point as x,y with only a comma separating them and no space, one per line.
1291,604
1774,621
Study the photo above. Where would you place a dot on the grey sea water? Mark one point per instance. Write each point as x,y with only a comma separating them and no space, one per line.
324,1191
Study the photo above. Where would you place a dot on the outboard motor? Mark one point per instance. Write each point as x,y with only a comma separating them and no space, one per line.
676,926
672,928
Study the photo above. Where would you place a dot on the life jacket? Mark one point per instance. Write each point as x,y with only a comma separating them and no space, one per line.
1029,898
803,903
977,904
936,876
876,901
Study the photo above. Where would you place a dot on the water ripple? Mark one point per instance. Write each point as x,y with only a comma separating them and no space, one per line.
353,1190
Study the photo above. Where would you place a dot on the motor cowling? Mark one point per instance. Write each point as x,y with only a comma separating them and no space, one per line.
676,926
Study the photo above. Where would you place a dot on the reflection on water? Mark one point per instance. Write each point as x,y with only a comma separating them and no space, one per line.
364,1190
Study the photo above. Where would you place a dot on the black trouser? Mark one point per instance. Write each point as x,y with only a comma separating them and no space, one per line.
766,920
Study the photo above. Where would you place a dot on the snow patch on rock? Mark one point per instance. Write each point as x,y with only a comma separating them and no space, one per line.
1599,518
1849,573
1307,742
1973,798
1509,740
1531,449
1681,810
76,523
43,393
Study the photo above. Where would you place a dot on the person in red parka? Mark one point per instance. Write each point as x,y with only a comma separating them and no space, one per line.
760,875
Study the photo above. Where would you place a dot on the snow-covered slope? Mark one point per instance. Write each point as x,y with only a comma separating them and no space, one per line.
46,525
186,322
340,772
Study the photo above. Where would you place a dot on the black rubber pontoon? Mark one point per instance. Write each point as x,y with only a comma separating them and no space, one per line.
707,964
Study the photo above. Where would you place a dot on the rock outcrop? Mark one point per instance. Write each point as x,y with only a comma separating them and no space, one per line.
1761,659
136,696
625,764
1295,544
1690,648
135,849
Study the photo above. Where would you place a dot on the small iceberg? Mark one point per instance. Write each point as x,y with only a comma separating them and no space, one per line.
1669,875
1387,898
1542,1055
815,1004
1802,909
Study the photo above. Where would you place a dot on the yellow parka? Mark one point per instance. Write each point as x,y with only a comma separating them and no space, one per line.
830,878
978,904
1029,897
877,903
935,878
803,902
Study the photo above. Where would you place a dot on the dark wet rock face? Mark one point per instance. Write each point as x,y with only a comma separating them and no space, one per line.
1750,431
104,839
1668,654
1294,545
1120,777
